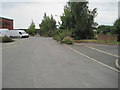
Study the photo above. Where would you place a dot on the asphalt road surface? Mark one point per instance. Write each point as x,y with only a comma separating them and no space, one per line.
0,65
44,63
108,57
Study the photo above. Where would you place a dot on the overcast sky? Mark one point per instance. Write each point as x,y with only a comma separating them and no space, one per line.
25,11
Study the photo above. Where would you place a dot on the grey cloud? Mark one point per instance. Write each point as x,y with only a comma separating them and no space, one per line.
34,0
119,9
107,11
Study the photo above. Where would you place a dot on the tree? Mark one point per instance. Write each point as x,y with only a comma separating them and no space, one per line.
31,29
106,29
117,28
47,26
77,16
67,19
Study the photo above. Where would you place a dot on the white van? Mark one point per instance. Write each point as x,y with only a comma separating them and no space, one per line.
18,33
4,32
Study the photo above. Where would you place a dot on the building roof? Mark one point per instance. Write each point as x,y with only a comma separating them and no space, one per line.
5,18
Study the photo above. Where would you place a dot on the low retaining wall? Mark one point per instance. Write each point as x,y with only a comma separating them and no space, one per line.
106,38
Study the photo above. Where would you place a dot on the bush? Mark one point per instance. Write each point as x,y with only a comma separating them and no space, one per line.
49,33
60,34
68,40
57,37
5,39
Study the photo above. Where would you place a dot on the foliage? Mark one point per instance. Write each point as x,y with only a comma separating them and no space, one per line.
57,37
31,29
68,40
77,16
47,26
60,34
67,19
5,39
117,28
105,29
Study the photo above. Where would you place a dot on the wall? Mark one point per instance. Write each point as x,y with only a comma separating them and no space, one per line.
6,23
106,38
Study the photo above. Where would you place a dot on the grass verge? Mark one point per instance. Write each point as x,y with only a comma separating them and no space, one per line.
95,41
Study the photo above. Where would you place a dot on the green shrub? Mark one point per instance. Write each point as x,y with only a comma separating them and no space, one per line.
5,39
57,37
60,34
68,40
47,34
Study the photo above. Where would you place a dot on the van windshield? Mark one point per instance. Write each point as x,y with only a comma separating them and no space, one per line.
22,32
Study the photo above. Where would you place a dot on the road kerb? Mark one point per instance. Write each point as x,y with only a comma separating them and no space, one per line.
117,64
114,69
13,44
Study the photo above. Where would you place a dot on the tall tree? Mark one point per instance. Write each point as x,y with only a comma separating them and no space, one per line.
77,16
31,29
67,19
48,25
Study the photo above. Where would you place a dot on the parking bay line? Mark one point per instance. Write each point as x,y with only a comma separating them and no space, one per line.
99,50
93,59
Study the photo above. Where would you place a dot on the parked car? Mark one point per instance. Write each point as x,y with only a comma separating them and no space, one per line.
4,32
18,33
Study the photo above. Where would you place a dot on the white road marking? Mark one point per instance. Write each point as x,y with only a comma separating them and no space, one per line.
93,59
99,50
